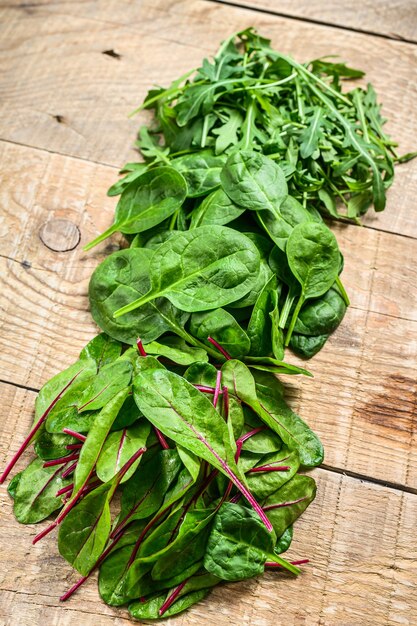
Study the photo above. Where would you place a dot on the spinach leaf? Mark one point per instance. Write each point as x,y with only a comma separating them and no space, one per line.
97,435
111,379
84,532
285,505
239,545
306,346
146,201
184,414
35,496
118,448
202,269
265,398
322,315
314,259
102,349
121,278
216,209
221,326
263,484
254,181
150,609
260,324
177,350
201,172
52,445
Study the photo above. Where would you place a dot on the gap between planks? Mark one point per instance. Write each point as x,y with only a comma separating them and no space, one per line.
311,20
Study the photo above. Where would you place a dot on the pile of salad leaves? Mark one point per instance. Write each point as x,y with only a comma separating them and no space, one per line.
176,407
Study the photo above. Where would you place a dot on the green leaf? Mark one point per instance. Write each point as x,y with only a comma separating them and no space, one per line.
118,448
111,379
96,438
121,278
201,172
177,350
202,269
216,209
35,494
285,505
221,326
254,181
147,201
239,545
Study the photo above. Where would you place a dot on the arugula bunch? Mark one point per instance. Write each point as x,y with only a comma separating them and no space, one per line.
331,145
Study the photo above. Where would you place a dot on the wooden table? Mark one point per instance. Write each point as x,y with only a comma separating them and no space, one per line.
70,73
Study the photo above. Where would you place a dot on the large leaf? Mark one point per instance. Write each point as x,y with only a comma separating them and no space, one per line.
202,269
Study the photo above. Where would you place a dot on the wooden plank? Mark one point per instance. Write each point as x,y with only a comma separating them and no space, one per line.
359,537
361,399
64,73
396,19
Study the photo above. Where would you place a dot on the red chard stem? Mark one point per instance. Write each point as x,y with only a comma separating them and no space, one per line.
171,598
217,388
33,431
79,436
141,349
219,348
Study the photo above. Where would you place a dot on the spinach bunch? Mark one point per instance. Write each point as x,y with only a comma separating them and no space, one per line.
205,460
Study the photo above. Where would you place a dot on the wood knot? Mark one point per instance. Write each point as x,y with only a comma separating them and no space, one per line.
60,235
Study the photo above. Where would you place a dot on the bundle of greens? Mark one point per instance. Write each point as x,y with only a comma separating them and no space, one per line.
206,459
177,406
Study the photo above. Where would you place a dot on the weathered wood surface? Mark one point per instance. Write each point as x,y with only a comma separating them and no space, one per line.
79,106
362,398
396,19
61,94
360,538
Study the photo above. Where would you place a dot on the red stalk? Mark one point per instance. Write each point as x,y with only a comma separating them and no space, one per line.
74,446
79,436
66,489
300,562
33,431
171,598
161,438
219,348
62,461
205,389
140,347
225,392
217,388
269,468
69,470
282,504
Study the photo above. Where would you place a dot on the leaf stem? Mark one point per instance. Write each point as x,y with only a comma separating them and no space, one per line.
79,436
171,598
33,431
294,318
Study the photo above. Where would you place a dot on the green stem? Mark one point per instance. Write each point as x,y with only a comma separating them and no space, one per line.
285,311
173,220
274,558
113,229
300,303
342,291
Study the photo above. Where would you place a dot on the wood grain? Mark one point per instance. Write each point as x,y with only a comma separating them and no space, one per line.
61,93
396,19
358,536
362,397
